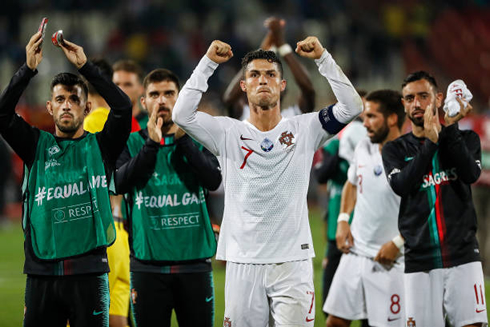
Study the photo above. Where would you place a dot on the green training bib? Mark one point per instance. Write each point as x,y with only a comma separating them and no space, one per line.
66,198
169,218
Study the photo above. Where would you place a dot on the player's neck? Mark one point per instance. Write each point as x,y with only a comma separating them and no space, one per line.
392,135
169,129
265,119
72,135
418,131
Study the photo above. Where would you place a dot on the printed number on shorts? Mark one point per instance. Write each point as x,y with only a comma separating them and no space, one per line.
480,298
249,152
395,304
308,319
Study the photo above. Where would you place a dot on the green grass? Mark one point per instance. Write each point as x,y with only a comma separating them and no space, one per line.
12,281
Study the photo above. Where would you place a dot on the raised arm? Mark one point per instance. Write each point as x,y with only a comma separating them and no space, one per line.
18,133
349,104
306,101
201,126
116,130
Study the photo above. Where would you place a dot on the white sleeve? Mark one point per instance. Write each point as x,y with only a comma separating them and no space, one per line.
352,172
349,103
204,128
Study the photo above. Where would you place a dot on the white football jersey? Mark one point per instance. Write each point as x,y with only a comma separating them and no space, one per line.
290,111
375,220
351,135
265,174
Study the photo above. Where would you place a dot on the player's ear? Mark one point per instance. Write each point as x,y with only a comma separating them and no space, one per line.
243,86
49,107
392,120
88,108
143,103
439,97
283,85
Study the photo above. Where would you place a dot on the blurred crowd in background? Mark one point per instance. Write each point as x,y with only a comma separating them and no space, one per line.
376,42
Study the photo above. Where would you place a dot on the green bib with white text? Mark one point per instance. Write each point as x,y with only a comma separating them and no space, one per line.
66,198
169,217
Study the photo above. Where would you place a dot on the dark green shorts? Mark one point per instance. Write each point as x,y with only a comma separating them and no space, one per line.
154,295
83,300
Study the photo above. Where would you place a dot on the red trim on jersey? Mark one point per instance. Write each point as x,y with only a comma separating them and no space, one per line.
441,225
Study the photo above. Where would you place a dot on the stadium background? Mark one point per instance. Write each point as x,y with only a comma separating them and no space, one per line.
376,43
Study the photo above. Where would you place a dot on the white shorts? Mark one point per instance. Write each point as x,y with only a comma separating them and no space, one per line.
456,292
365,289
283,293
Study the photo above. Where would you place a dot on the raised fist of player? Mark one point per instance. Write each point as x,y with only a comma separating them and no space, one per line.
310,48
219,52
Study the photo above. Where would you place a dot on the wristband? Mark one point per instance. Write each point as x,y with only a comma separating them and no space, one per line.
398,241
284,49
343,217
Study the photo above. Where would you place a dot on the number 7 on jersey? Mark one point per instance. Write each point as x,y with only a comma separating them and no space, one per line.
249,152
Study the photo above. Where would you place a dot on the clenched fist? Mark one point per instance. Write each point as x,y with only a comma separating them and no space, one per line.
310,48
219,52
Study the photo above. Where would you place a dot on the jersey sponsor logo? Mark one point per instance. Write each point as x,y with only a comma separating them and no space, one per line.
408,158
266,145
411,322
244,138
96,313
478,311
159,180
442,177
51,163
68,190
74,212
166,200
209,299
309,319
393,319
54,150
393,172
190,219
227,322
305,246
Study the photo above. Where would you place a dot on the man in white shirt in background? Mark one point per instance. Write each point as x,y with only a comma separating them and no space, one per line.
368,283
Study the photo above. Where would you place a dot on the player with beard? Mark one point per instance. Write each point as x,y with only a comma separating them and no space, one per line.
265,236
368,282
166,176
432,169
67,217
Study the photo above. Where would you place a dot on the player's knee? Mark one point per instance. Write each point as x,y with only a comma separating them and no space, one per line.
333,321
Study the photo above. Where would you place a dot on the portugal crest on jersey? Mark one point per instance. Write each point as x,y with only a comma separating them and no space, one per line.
227,322
287,140
411,322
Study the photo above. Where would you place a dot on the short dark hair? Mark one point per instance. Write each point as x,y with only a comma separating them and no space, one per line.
105,70
129,66
160,75
390,102
69,79
417,76
270,56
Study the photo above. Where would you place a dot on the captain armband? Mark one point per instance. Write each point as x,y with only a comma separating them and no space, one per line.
329,122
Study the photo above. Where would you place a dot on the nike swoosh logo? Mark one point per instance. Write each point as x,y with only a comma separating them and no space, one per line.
208,299
478,311
244,138
309,320
393,319
95,313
